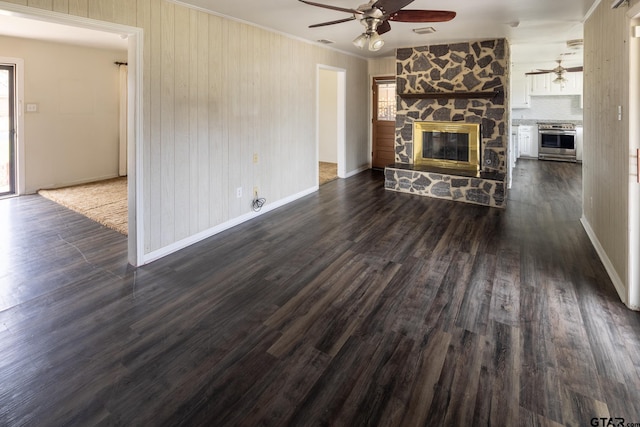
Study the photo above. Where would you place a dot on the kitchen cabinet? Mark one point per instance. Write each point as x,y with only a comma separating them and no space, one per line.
528,141
542,84
520,91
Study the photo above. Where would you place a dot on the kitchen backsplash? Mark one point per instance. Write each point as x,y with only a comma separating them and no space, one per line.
556,108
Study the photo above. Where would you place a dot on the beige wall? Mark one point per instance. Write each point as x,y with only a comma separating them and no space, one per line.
606,160
216,91
73,137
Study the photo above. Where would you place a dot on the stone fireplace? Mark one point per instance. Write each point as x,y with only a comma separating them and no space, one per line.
464,85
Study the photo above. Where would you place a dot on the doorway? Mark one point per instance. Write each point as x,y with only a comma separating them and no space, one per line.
7,130
331,123
383,122
134,37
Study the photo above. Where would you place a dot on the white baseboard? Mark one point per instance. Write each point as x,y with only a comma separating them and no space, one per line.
181,244
608,265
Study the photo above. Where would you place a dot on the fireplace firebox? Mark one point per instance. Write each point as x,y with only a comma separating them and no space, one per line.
448,145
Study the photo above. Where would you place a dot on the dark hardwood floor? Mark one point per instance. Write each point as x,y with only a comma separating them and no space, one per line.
353,306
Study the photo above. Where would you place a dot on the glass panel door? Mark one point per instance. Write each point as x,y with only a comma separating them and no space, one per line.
7,131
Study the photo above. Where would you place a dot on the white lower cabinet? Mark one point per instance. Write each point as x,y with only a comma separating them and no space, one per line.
528,141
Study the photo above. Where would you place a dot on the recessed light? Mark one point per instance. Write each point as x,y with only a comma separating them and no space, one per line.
424,30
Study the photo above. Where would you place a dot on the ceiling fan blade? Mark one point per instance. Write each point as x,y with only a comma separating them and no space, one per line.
326,6
384,27
574,69
408,15
391,6
339,21
538,72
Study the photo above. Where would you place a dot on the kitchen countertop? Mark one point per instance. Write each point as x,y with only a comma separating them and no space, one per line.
533,122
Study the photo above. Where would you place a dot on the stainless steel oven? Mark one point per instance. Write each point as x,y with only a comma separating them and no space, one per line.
557,141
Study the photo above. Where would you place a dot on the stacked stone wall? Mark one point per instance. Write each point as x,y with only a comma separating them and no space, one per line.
458,68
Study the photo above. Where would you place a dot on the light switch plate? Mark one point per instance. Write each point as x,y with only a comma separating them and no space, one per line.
32,108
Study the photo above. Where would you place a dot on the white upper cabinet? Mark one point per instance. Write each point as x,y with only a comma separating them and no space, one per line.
542,84
520,92
519,89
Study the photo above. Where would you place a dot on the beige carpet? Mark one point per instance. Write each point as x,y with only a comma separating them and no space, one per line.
104,201
328,172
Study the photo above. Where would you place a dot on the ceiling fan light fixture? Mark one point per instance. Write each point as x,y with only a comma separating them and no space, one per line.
361,41
559,79
375,42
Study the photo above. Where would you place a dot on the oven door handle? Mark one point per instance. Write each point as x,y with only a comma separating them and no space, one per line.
557,132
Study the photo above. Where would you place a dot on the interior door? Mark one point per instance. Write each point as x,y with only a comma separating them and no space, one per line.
7,131
384,121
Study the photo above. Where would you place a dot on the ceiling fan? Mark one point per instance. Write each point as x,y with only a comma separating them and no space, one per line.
559,71
375,17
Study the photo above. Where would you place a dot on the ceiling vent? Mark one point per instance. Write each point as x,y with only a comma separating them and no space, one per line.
424,30
325,41
575,44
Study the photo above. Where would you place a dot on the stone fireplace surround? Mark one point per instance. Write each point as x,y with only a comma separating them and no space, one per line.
457,82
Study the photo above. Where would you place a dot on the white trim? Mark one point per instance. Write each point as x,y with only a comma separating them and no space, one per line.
633,260
341,111
608,265
18,68
135,161
135,237
181,244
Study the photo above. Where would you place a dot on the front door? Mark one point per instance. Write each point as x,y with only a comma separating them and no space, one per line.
384,121
7,131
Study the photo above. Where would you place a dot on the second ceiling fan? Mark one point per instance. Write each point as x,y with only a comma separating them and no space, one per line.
375,17
559,71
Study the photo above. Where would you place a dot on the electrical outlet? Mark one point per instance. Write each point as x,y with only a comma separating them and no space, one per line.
255,157
239,192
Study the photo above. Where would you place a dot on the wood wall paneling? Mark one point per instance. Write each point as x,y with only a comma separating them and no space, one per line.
382,66
81,7
153,234
182,159
606,145
61,6
215,92
41,4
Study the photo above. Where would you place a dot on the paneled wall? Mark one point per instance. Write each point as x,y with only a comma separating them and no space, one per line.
216,92
382,66
606,139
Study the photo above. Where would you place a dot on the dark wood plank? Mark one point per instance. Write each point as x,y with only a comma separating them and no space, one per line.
351,306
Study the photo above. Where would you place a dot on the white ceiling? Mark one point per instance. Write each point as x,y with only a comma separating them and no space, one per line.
537,29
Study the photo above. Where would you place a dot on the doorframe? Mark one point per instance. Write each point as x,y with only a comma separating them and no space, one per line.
18,141
633,261
341,124
135,37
